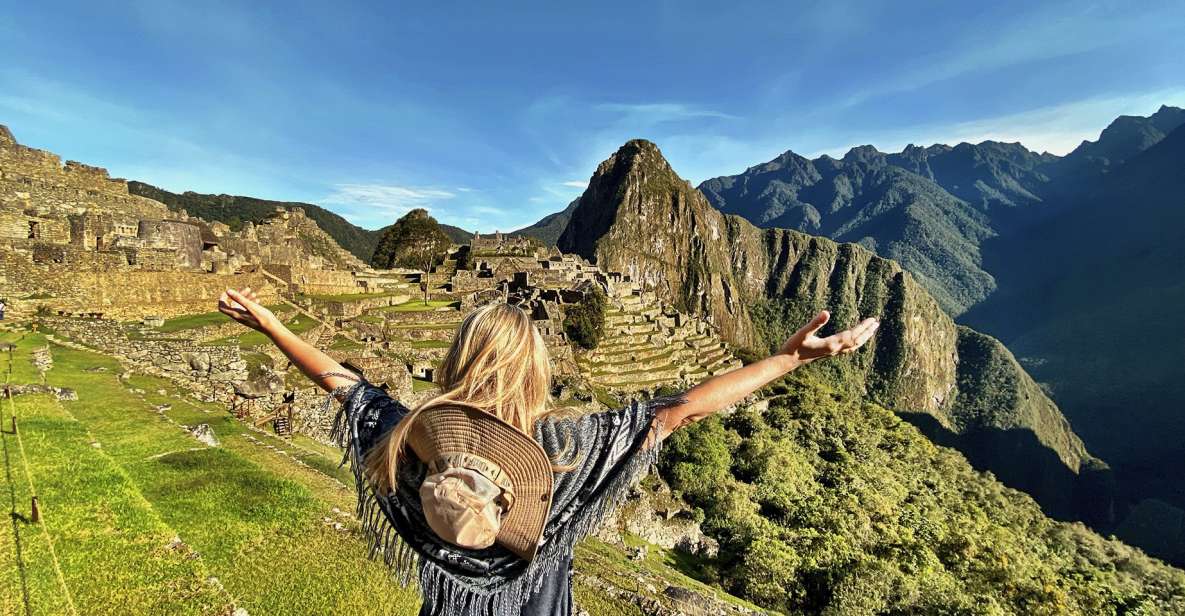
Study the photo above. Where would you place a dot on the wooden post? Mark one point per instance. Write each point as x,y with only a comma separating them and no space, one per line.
14,424
35,514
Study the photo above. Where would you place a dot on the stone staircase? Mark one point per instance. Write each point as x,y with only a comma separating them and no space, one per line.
647,345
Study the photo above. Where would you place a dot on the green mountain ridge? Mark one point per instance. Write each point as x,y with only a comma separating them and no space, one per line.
866,199
932,208
638,217
549,228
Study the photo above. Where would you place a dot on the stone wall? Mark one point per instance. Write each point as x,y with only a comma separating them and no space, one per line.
78,260
32,177
99,286
314,282
211,370
184,238
16,224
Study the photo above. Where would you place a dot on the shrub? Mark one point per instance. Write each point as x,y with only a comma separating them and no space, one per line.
585,322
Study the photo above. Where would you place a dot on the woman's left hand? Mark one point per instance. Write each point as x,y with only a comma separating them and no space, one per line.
805,346
244,307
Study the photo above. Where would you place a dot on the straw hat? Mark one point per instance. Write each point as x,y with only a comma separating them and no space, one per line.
487,482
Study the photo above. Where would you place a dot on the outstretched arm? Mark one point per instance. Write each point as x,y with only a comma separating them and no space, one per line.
244,307
803,347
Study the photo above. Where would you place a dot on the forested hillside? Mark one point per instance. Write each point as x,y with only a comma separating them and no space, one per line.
824,504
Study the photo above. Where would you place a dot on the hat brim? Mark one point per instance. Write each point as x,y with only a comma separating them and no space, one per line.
457,428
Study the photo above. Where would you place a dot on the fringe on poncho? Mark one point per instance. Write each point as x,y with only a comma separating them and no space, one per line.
610,452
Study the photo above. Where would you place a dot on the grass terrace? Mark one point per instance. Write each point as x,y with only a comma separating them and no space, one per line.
298,323
118,480
352,297
418,305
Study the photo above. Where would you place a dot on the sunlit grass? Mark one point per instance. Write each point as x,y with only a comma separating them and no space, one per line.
418,305
253,515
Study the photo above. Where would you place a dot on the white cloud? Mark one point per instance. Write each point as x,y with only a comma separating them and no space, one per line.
387,198
576,184
649,114
1056,129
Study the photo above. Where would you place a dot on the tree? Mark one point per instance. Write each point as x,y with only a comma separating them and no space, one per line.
585,322
415,241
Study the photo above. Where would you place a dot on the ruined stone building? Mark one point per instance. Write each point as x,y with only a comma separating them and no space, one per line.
73,239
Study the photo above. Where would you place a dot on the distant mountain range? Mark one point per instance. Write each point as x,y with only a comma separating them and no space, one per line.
1093,299
549,228
930,208
235,210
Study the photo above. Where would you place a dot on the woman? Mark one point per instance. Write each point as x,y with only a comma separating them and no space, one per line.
481,491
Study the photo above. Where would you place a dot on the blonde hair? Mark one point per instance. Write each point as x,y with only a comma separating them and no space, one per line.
497,362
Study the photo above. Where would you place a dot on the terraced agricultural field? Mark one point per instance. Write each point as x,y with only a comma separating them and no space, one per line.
643,348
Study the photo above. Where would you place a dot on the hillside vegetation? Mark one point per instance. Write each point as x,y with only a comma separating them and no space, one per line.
824,504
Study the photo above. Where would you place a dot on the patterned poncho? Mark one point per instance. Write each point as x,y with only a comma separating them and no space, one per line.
608,452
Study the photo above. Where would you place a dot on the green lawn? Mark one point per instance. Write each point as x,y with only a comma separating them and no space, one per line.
252,514
193,321
428,344
418,384
342,343
249,338
95,516
418,305
350,297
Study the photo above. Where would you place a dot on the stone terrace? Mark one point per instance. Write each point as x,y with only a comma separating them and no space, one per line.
646,345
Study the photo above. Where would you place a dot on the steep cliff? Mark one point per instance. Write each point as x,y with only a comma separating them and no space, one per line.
638,217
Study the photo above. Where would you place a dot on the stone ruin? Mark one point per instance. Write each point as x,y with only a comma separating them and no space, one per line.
76,241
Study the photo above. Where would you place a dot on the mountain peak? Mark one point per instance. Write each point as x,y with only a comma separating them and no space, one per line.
1129,135
863,153
632,153
639,146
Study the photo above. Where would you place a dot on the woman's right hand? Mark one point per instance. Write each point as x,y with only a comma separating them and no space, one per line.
244,307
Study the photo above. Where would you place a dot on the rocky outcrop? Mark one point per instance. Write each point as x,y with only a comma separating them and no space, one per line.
639,218
757,286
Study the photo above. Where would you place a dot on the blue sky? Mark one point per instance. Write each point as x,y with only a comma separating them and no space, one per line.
492,115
